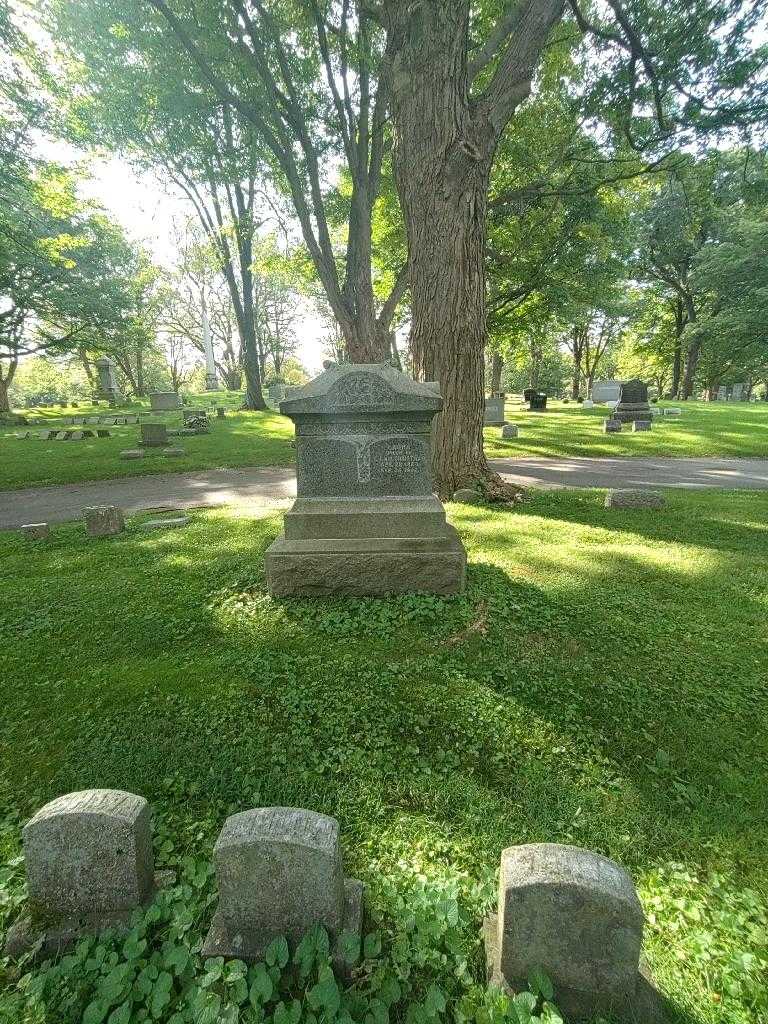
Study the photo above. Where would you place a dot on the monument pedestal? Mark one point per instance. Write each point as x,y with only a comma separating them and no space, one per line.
365,522
633,404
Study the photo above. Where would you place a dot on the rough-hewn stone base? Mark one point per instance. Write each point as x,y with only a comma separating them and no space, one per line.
628,413
634,498
250,947
643,1005
366,567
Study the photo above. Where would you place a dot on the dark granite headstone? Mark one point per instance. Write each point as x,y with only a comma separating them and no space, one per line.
633,404
365,520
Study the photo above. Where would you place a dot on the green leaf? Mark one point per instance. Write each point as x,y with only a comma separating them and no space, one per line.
325,994
161,994
277,953
539,983
261,986
121,1015
372,945
95,1012
349,947
434,1004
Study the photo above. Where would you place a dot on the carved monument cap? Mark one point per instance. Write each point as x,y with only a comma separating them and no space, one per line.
362,388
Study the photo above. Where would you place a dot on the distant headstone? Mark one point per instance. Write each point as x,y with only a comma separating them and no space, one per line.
36,531
193,414
163,401
154,435
588,403
166,524
634,498
365,521
103,520
603,391
633,404
737,392
279,873
108,388
575,916
722,393
672,412
537,400
173,453
494,412
88,859
103,433
221,412
132,453
640,425
611,426
509,430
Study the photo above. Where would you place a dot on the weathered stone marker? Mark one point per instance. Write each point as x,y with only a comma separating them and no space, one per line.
509,430
279,873
640,425
633,404
108,387
221,412
103,520
36,531
576,916
587,404
154,435
672,411
634,498
132,453
611,426
365,521
162,401
89,865
493,415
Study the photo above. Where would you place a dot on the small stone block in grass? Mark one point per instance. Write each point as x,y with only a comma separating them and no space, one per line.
611,426
640,425
509,430
672,412
103,520
634,498
132,453
468,496
166,524
173,453
36,531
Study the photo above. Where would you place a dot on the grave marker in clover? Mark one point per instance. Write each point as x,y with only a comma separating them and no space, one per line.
575,916
89,865
279,873
365,521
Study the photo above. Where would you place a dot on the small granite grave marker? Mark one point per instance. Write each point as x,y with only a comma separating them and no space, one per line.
279,873
132,453
494,411
173,453
611,426
576,916
509,430
36,531
88,859
162,401
221,412
537,400
166,524
154,435
640,425
587,404
634,498
672,412
103,520
365,521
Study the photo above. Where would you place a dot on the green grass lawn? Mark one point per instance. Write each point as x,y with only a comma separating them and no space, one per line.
602,682
242,439
264,439
723,429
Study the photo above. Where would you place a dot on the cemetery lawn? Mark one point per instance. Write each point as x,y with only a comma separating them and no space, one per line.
715,429
242,439
602,682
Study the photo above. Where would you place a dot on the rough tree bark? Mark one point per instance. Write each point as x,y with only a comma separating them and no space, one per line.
445,142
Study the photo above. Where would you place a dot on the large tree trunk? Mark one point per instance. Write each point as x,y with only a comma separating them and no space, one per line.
677,359
442,167
254,398
5,405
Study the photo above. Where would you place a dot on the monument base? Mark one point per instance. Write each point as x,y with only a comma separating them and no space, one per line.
366,567
366,547
629,413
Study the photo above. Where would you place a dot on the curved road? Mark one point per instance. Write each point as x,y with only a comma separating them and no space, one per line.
274,486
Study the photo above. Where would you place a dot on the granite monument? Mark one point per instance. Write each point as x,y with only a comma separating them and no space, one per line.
633,404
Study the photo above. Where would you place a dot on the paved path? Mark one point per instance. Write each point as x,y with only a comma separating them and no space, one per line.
274,486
